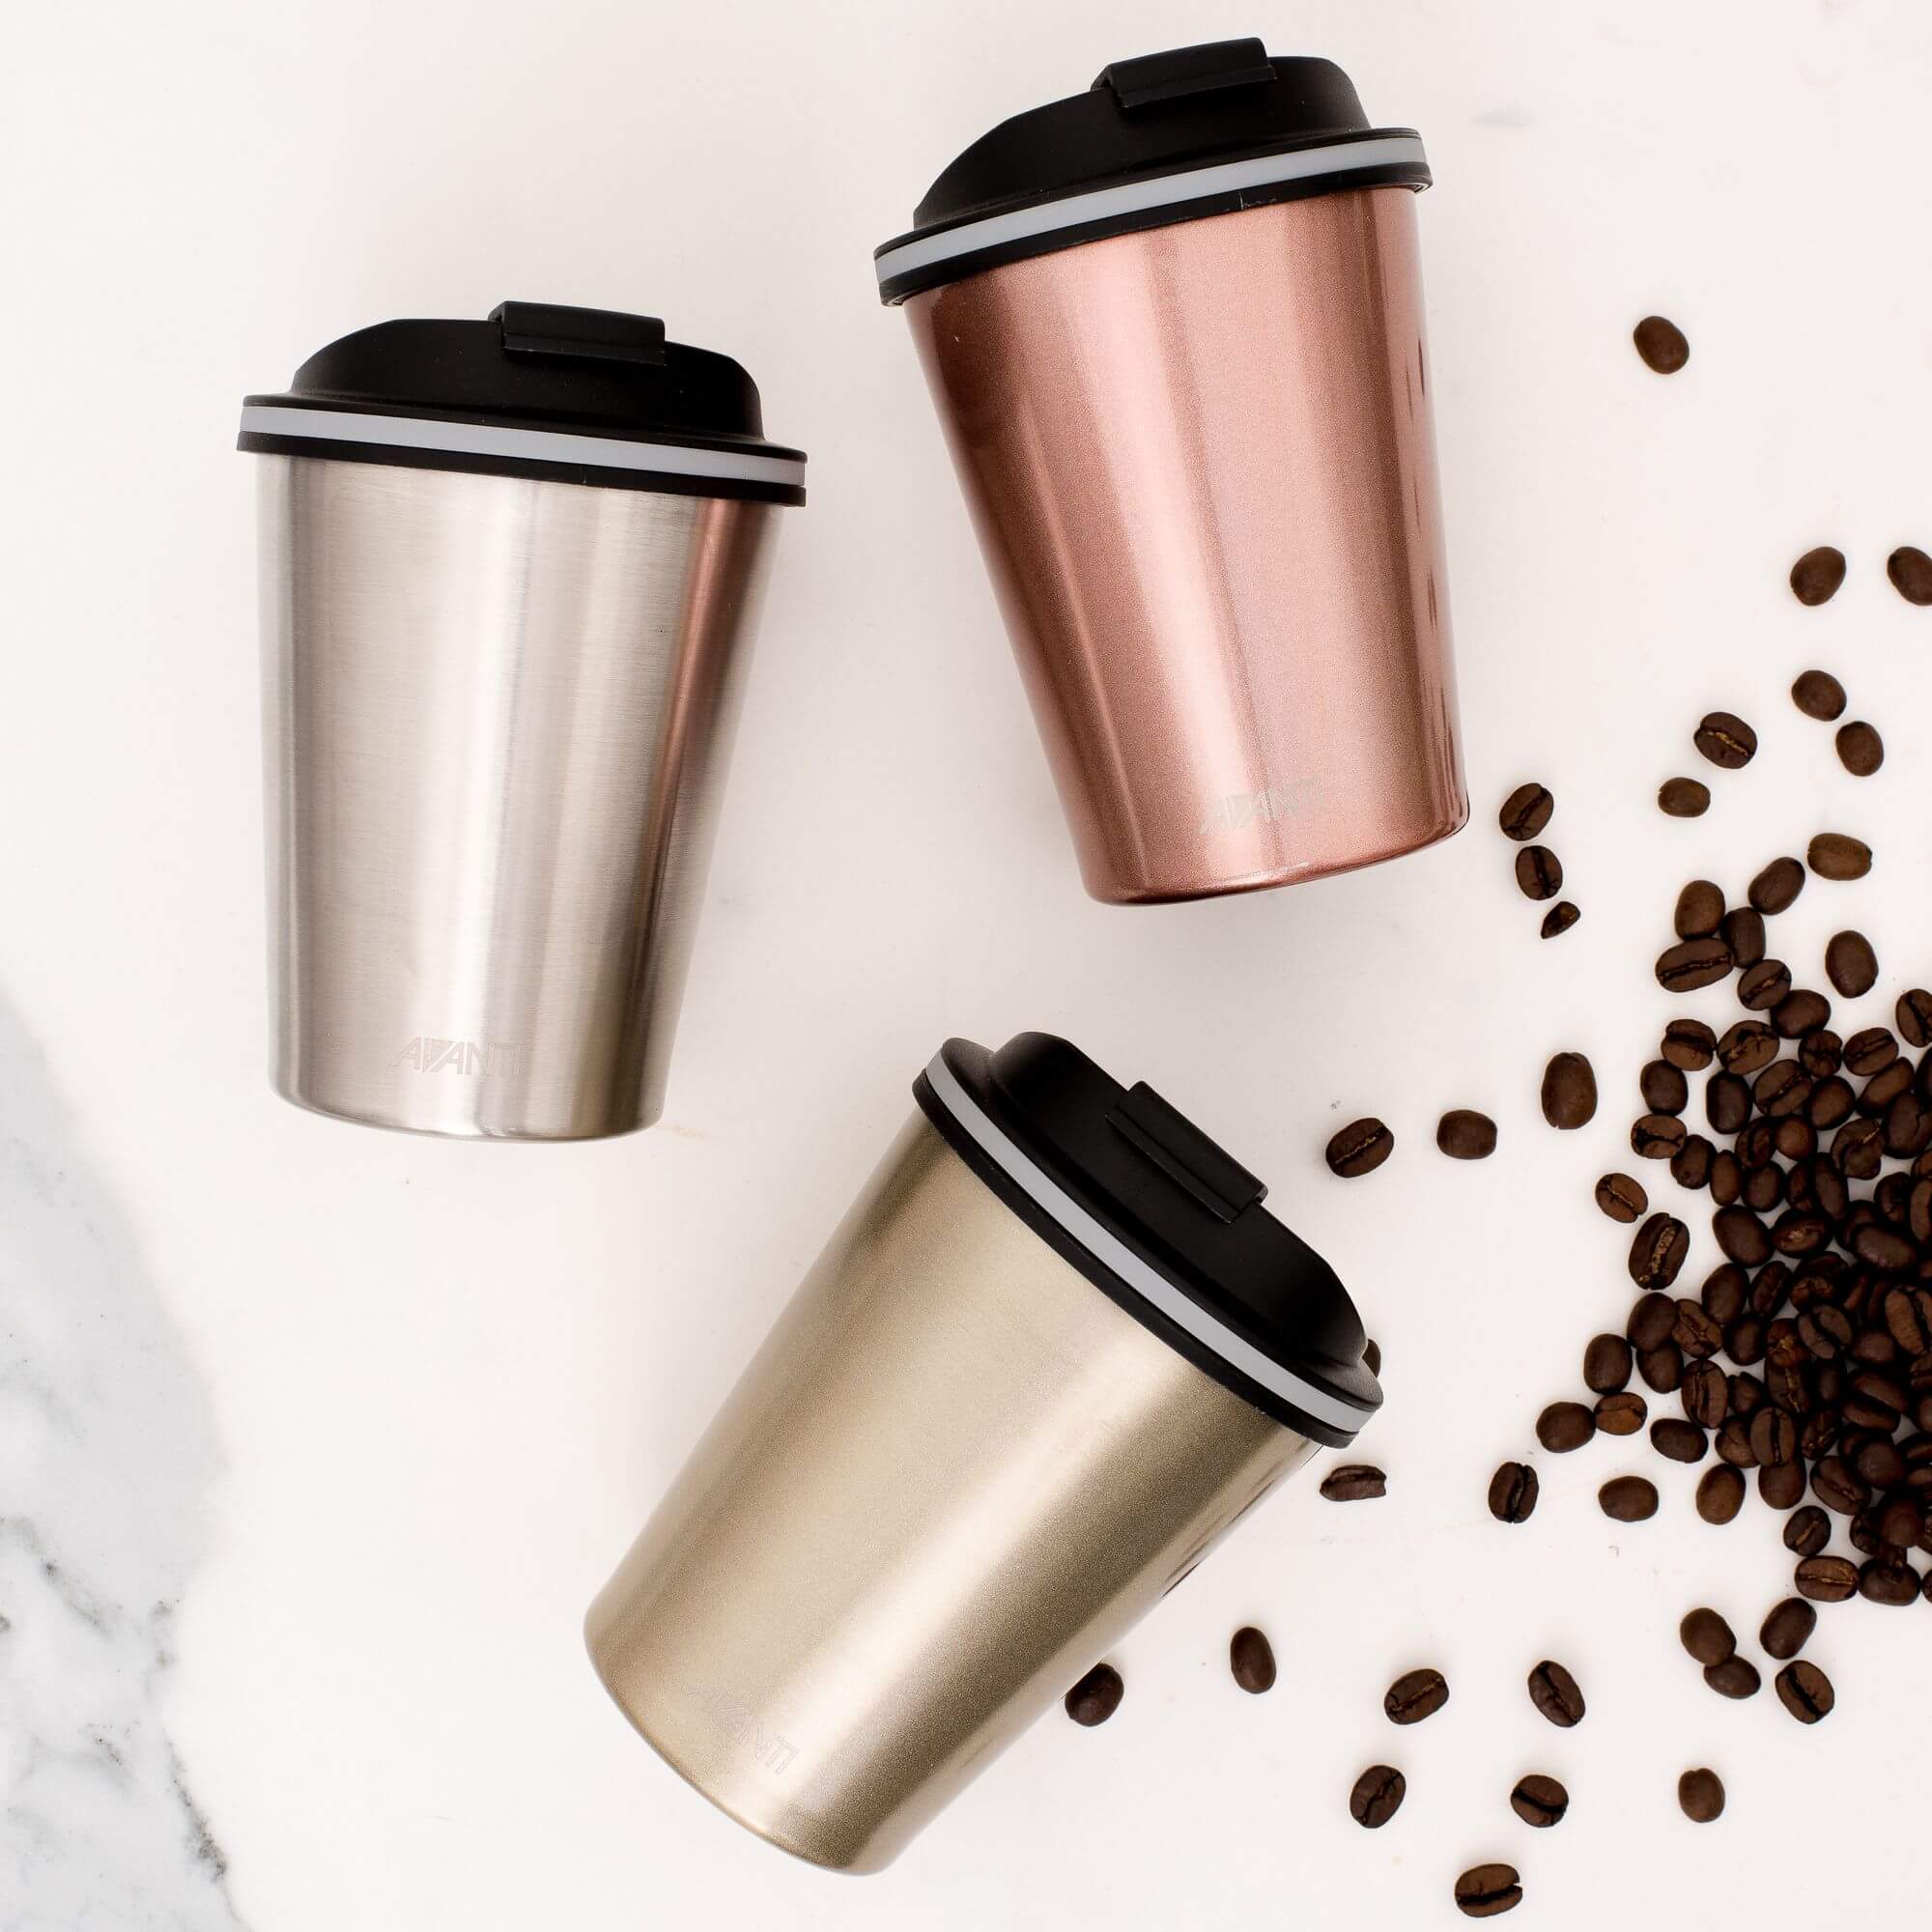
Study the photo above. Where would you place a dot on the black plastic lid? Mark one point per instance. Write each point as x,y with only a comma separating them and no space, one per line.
1218,128
578,395
1162,1221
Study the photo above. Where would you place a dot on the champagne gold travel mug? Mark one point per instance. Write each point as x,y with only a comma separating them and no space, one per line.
1174,329
1055,1349
510,572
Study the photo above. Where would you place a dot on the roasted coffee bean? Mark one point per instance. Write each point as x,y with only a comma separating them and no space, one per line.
1908,1311
1607,1364
1682,798
1555,1692
1776,886
1723,1293
1849,964
1565,1426
1760,987
1821,1053
1914,1016
1377,1796
1881,1248
1513,1491
1621,1198
1681,1442
1774,1437
1861,749
1660,1368
1741,929
1360,1147
1721,1494
1733,1444
1839,1487
1806,1692
1802,1232
1687,1046
1463,1134
1539,1800
1726,740
1251,1659
1707,1637
1743,1340
1559,918
1909,567
1538,872
1747,1046
1918,1214
1907,1129
1663,1086
1690,1164
1884,1088
1651,1318
1096,1697
1830,1104
1741,1236
1817,692
1700,906
1700,1792
1704,1393
1796,1137
1837,855
1727,1102
1414,1696
1857,1148
1657,1136
1883,1581
1873,1049
1630,1499
1781,1488
1525,811
1786,1628
1485,1890
1734,1677
1693,964
1569,1091
1901,1522
1620,1414
1808,1532
1781,1091
1727,1176
1355,1483
1799,1014
1693,1331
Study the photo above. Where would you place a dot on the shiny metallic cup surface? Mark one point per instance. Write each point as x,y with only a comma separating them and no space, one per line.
1174,329
987,1435
503,648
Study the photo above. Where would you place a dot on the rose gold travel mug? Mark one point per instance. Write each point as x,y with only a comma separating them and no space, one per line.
1055,1349
1174,329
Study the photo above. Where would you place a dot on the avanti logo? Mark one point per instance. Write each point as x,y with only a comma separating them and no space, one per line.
428,1054
1251,808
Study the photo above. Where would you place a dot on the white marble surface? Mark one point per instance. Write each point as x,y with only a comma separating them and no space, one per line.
316,1441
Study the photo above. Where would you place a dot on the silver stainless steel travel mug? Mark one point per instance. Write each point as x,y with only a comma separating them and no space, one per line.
1055,1349
510,572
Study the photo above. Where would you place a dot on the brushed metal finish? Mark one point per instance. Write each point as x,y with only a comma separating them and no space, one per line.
497,718
1202,465
954,1474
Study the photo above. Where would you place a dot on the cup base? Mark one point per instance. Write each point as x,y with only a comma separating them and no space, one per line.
451,1129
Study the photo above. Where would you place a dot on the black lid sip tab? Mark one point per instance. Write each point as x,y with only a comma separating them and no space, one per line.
1166,138
1161,1220
573,395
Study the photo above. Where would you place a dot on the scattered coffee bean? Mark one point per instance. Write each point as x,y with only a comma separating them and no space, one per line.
1909,568
1663,1086
1565,1426
1735,1677
1799,1012
1849,964
1721,1494
1806,1692
1688,1045
1741,929
1559,918
1251,1659
1682,798
1693,964
1607,1364
1860,750
1837,856
1355,1483
1883,1582
1817,692
1621,1198
1762,986
1700,906
1538,872
1096,1697
1513,1491
1622,1413
1825,1580
1776,886
1914,1016
1786,1628
1485,1890
1707,1637
1555,1692
1700,1794
1873,1049
1660,1368
1569,1091
1539,1800
1657,1136
1628,1499
1657,1251
1807,1531
1466,1135
1681,1442
1414,1696
1377,1796
1814,578
1726,740
1747,1046
1360,1147
1525,811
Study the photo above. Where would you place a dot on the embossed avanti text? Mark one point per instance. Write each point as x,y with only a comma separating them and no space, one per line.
428,1054
741,1724
1286,800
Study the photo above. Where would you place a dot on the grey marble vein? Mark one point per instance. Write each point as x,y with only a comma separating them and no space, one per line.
107,1456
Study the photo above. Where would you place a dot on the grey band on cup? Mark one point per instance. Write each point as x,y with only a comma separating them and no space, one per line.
529,445
1104,204
1153,1288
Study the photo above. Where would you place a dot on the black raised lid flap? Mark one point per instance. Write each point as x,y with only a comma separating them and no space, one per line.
1149,78
587,334
1182,1152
